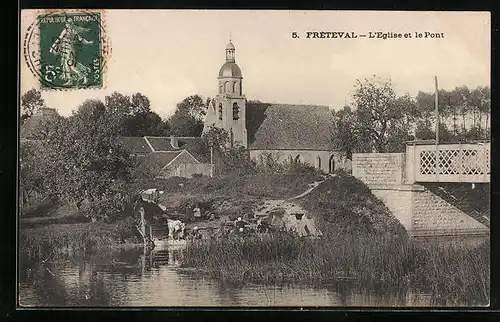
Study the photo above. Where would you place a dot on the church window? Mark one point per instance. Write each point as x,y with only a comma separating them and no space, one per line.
220,111
236,111
226,87
220,88
235,84
319,162
331,164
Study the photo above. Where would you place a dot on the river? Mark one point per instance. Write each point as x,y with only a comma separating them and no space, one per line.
137,278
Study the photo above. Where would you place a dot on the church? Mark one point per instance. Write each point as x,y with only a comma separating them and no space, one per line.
292,133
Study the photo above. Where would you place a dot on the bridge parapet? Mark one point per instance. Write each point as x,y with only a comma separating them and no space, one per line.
462,162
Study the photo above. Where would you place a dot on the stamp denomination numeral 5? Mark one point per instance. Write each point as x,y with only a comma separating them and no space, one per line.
51,72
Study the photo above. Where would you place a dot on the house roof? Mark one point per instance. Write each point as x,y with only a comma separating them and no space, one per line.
291,127
157,160
136,145
161,143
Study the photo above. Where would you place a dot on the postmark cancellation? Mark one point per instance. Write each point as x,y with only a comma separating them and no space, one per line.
67,49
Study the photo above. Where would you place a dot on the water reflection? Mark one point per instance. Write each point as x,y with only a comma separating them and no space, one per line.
138,277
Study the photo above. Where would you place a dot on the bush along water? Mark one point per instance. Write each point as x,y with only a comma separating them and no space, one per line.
53,242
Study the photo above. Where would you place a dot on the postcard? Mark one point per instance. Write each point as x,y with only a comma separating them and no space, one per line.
254,158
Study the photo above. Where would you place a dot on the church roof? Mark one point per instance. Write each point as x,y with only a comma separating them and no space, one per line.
291,127
230,69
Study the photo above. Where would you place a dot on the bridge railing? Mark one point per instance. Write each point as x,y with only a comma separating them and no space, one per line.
448,162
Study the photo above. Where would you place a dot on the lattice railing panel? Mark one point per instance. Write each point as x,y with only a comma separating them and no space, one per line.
427,162
448,162
454,161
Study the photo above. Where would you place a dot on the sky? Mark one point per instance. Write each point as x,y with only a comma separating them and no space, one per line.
168,55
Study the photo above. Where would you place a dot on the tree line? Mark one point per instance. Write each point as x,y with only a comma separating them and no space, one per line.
135,116
381,121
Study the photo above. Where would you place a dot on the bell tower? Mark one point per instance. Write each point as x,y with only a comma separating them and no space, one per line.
228,109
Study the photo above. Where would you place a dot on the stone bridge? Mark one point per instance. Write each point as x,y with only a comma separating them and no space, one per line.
410,185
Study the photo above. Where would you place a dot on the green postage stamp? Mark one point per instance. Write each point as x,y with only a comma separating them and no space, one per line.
70,46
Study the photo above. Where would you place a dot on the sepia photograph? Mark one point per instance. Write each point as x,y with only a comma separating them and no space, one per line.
253,158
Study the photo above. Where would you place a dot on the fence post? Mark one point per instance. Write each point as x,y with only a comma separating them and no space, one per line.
460,162
437,162
410,164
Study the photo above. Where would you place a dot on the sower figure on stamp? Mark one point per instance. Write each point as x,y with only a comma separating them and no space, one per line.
64,47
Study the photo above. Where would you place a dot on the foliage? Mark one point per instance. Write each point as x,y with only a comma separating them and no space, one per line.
381,114
459,107
85,162
187,119
51,241
134,115
31,102
382,121
228,157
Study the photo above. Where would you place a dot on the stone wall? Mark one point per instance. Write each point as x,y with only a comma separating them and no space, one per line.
399,203
379,168
317,159
433,216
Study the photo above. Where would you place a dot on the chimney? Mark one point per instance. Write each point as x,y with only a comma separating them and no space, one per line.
173,142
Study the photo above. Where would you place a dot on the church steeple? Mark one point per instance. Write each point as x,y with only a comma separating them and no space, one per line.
228,110
230,52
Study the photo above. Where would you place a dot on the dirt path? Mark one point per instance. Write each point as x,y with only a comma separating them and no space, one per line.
288,205
312,186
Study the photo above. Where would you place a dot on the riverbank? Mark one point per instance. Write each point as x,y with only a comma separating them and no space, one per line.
55,241
455,274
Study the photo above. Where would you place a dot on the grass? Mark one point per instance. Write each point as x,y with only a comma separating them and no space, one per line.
454,275
270,185
345,204
62,240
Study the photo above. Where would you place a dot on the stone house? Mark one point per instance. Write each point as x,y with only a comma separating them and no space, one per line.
166,156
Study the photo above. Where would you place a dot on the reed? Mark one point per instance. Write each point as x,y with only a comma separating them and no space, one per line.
453,274
60,240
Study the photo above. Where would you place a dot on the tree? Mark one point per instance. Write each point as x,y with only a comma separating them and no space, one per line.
456,107
31,102
227,158
344,136
134,116
140,104
379,112
87,165
187,119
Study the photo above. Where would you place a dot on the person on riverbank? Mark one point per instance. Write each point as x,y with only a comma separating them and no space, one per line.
195,234
221,232
240,223
197,212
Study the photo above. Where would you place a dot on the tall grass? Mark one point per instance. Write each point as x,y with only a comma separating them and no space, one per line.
453,274
60,240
